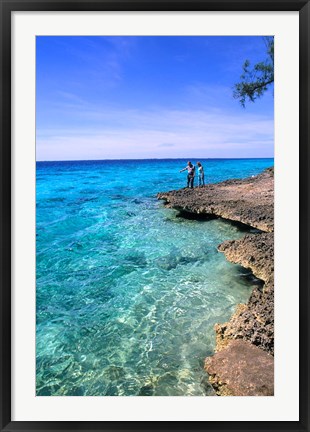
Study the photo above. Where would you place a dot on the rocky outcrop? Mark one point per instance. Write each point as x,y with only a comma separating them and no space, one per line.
253,251
241,369
248,201
255,320
250,331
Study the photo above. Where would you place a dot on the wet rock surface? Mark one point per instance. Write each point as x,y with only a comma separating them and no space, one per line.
241,370
251,328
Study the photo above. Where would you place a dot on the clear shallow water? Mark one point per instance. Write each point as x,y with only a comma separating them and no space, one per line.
127,292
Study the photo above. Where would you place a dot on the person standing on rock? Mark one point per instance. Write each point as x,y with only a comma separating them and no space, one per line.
190,174
201,175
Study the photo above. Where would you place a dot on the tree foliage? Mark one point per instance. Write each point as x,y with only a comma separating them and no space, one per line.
255,81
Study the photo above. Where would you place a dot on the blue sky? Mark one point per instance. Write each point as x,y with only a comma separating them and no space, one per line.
124,97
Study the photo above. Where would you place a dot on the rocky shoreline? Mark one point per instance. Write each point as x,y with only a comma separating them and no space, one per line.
243,361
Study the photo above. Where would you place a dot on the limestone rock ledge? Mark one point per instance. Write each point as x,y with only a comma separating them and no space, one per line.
241,369
255,320
249,201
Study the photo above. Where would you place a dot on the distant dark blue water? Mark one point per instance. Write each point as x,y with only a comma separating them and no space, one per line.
127,292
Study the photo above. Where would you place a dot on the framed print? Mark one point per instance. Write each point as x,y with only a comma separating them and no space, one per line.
154,219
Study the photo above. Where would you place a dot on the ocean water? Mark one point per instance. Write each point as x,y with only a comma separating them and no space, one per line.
128,292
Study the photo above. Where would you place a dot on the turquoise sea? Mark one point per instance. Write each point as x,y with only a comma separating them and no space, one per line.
128,292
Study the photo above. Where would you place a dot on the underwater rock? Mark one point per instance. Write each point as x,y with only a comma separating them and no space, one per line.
137,201
173,259
114,373
137,259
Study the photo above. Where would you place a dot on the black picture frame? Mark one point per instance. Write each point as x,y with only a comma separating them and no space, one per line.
9,6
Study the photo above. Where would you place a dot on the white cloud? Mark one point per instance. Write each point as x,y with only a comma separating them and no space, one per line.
157,133
166,145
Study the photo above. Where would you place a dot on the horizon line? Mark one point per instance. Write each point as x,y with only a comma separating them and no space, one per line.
147,159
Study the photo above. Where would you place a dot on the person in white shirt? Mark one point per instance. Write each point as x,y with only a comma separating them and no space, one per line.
201,175
190,174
